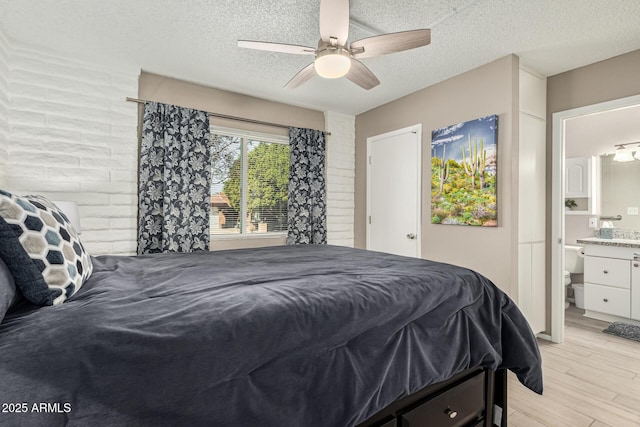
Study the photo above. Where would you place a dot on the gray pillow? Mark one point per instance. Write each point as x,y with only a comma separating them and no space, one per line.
8,292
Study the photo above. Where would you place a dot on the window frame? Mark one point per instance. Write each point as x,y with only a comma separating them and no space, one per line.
245,136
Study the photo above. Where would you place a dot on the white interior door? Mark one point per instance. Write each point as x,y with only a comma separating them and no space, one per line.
393,191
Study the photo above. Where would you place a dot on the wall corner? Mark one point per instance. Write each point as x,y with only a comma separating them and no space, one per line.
340,178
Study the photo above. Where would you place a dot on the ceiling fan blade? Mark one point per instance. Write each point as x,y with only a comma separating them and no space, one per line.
302,77
277,47
361,75
390,43
334,20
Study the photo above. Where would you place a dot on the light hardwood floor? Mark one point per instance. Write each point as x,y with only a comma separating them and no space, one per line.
591,379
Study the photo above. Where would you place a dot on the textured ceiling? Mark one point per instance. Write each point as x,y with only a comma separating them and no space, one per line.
195,40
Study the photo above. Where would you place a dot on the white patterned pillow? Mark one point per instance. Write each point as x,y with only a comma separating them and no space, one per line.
42,249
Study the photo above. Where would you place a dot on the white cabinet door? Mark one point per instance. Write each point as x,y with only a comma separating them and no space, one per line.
635,289
576,177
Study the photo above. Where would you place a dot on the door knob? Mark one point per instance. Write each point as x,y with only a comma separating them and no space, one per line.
411,236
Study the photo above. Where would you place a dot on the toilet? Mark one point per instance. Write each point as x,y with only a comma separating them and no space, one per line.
574,264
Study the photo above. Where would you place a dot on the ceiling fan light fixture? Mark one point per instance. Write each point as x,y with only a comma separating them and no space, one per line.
332,63
335,57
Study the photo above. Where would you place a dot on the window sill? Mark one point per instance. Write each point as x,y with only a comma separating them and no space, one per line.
220,237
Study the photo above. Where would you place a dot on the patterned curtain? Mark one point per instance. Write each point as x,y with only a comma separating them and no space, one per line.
307,208
174,180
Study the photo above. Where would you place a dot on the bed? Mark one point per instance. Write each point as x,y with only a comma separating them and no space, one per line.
309,335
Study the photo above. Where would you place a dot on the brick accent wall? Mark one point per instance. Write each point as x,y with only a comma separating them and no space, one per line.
67,132
73,136
340,178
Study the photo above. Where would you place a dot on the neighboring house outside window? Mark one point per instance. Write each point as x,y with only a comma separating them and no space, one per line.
249,183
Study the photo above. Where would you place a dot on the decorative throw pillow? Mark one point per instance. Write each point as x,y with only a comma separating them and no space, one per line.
41,249
8,292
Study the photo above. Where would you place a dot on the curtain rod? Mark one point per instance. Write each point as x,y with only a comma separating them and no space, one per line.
240,119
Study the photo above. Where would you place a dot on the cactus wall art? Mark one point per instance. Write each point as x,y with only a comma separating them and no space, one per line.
463,173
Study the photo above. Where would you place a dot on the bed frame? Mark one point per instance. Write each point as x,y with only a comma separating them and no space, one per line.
475,397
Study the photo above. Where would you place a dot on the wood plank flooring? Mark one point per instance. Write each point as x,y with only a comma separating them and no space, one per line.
591,379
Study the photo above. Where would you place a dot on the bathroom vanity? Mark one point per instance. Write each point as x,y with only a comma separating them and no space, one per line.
612,279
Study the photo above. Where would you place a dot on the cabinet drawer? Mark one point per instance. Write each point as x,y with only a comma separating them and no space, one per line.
607,271
455,407
606,299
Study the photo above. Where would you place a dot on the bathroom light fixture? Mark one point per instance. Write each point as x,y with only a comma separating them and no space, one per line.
623,154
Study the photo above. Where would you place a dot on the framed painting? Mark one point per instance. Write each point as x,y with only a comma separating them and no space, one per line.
463,173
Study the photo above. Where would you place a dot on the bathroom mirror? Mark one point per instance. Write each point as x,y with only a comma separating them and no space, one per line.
620,190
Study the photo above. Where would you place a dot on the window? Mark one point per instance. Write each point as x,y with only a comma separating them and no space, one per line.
249,183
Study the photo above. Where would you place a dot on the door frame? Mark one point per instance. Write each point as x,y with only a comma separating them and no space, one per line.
557,203
417,131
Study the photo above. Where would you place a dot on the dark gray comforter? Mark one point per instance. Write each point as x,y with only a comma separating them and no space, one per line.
287,336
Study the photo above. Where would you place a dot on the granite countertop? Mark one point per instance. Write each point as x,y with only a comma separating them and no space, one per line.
621,243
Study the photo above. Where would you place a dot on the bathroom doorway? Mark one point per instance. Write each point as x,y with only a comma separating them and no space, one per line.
560,124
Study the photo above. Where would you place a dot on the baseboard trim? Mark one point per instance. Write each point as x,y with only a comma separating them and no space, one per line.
545,337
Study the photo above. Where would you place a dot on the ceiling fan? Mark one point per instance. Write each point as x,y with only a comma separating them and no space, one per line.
334,57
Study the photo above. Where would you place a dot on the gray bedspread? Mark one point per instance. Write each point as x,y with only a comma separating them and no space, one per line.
285,336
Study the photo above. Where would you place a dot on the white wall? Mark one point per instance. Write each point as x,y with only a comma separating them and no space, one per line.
4,122
72,136
340,178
